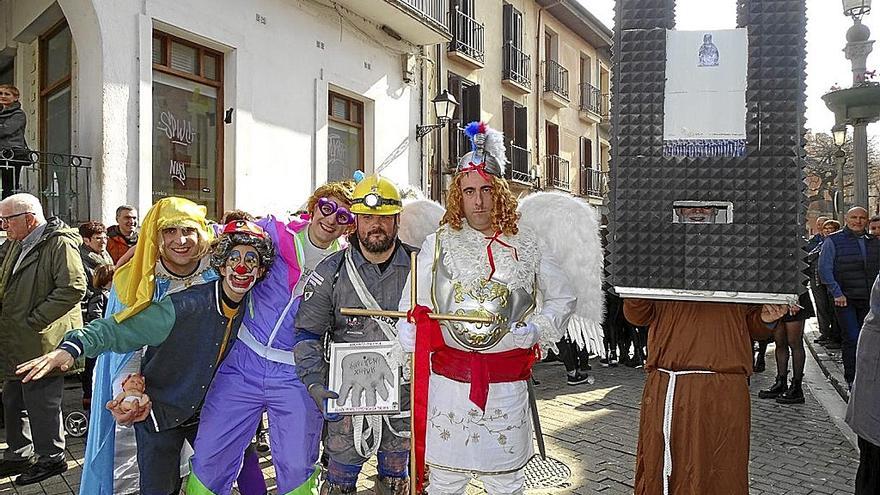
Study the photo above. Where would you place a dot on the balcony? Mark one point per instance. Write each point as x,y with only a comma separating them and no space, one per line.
467,39
593,182
516,69
555,84
60,181
590,105
421,22
557,172
519,164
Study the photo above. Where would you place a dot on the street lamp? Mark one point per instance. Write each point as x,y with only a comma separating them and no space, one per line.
856,8
444,108
839,133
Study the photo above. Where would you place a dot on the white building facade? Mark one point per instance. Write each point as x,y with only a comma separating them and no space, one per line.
232,104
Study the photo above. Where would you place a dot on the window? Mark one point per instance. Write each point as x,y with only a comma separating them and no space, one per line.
516,132
345,137
7,70
589,176
468,94
55,97
187,115
586,147
513,26
57,181
586,69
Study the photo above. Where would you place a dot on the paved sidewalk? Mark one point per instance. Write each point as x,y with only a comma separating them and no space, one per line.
593,429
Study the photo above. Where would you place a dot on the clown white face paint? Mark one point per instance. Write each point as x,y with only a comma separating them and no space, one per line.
241,270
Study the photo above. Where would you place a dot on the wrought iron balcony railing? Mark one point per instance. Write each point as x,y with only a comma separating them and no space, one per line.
516,65
593,182
435,11
590,98
558,172
518,168
467,35
62,182
556,78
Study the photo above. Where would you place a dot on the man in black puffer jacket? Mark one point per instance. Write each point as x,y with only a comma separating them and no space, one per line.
848,264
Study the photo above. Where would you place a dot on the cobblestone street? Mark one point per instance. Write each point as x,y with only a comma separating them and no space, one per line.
593,429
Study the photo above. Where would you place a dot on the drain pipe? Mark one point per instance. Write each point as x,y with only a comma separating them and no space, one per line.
437,178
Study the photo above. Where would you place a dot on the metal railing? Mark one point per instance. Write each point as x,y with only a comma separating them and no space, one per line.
593,182
518,168
62,182
556,78
557,172
432,10
590,98
605,106
516,65
467,35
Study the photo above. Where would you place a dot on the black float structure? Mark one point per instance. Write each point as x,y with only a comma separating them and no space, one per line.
759,256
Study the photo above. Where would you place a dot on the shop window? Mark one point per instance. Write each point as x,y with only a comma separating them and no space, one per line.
187,122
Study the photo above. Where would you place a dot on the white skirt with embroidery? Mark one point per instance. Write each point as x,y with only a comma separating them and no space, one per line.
460,437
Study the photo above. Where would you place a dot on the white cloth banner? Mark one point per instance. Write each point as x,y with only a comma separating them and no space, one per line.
705,95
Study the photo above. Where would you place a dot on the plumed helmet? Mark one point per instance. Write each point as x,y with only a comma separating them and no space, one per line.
375,195
487,153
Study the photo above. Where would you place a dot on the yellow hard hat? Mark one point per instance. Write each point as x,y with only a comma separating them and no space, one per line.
375,195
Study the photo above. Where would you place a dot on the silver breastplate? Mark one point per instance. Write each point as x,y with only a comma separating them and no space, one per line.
484,298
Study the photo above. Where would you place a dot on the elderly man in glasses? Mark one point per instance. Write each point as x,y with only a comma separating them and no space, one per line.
41,284
259,375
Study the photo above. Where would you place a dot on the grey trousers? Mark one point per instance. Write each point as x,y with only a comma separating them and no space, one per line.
33,418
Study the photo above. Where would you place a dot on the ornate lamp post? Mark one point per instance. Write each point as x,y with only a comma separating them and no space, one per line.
859,105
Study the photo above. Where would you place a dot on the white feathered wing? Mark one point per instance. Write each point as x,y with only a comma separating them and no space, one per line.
568,227
418,219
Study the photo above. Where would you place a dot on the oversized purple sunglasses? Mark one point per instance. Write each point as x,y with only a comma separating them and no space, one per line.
328,207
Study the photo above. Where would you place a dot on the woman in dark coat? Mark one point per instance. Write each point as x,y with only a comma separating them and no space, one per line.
13,156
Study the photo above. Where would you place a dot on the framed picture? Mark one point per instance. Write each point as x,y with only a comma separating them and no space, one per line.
366,376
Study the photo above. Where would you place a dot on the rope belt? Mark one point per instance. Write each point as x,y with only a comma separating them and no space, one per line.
667,420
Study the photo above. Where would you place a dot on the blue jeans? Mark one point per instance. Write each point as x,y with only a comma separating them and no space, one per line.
850,318
158,456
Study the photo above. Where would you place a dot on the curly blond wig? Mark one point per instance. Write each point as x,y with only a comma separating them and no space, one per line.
504,214
339,190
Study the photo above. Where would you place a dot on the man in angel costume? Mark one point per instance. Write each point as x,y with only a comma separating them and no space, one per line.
260,373
370,274
186,335
169,257
472,407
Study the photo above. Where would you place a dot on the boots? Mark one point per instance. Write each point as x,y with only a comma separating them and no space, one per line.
328,488
794,394
779,386
760,363
387,485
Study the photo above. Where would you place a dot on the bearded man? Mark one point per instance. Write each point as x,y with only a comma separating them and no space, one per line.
370,274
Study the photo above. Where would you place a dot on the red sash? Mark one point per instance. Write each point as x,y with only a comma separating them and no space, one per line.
462,366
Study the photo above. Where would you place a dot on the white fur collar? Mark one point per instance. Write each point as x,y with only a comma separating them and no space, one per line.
467,260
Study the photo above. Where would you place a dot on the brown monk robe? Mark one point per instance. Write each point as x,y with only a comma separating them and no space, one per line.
711,413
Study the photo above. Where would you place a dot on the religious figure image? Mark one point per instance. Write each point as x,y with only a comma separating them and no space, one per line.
708,52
